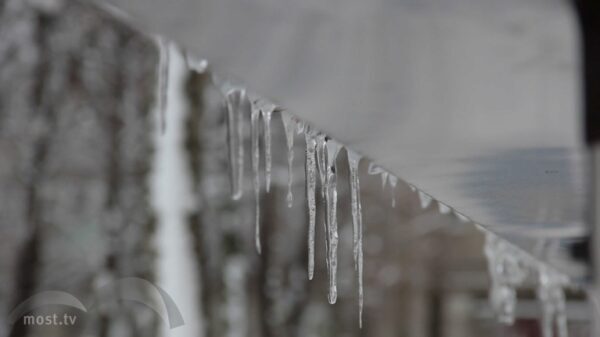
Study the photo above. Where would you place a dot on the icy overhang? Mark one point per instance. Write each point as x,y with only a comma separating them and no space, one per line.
475,102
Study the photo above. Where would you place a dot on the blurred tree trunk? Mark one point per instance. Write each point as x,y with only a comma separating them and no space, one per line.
243,293
76,89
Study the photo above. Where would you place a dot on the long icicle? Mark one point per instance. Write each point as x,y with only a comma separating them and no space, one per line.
311,182
357,226
163,80
289,125
321,152
267,110
333,149
255,130
235,99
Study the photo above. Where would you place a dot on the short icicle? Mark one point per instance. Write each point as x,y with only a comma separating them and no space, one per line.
321,162
289,125
384,179
194,64
163,80
424,199
311,182
393,183
255,131
333,149
236,99
375,170
357,226
444,209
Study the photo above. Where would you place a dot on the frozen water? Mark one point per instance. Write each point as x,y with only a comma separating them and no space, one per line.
507,270
508,266
321,162
311,181
255,134
393,182
321,152
444,209
333,149
267,111
194,63
552,297
384,176
289,125
235,99
353,162
374,170
300,126
425,199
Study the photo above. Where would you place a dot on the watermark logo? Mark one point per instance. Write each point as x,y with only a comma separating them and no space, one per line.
123,290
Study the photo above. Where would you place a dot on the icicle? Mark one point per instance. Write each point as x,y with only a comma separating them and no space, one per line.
235,98
321,162
444,209
321,152
333,149
353,161
384,178
163,80
289,125
393,182
507,270
300,127
424,199
255,130
311,182
195,64
267,112
374,170
551,295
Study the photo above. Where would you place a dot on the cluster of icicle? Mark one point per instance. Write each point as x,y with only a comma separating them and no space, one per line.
320,164
509,267
321,157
